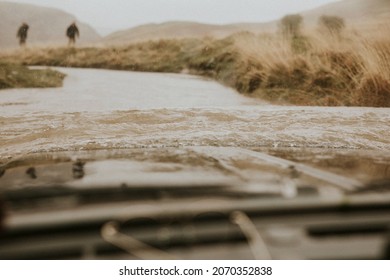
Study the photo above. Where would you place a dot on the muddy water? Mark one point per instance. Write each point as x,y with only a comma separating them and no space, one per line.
98,109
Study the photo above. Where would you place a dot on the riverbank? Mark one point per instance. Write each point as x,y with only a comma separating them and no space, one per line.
310,70
14,75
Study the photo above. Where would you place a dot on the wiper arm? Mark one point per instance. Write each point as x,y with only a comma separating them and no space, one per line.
111,233
256,242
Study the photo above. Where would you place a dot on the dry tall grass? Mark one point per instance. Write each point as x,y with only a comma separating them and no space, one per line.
319,69
351,69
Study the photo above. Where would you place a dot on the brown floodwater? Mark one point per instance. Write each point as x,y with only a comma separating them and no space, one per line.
158,117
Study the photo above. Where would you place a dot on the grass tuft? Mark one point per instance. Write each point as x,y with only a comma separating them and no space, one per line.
19,76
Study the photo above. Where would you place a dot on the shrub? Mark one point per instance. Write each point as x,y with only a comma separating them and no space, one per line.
331,24
291,25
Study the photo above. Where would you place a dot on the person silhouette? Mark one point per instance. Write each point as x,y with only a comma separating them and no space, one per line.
72,32
22,34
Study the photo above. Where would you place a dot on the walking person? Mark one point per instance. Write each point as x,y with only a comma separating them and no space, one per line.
72,32
22,34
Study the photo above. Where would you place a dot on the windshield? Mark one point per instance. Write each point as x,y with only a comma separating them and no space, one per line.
245,138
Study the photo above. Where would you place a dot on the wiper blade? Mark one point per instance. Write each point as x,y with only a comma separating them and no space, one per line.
41,196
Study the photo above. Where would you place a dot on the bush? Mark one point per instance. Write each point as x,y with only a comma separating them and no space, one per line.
291,25
331,24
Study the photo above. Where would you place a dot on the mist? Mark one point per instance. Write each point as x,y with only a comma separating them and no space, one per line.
107,16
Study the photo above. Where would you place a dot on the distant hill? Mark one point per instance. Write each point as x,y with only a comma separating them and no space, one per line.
47,25
181,29
367,16
353,11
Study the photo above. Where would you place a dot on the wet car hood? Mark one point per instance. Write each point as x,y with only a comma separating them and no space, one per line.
194,202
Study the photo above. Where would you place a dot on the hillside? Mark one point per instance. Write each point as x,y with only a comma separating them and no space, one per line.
47,25
181,29
355,12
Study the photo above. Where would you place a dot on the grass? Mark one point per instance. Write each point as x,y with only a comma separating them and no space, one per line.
328,71
18,76
310,69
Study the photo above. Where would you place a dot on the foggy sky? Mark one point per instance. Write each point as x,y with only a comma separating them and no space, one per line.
111,15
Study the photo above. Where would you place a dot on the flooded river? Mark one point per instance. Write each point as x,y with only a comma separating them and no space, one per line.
108,110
